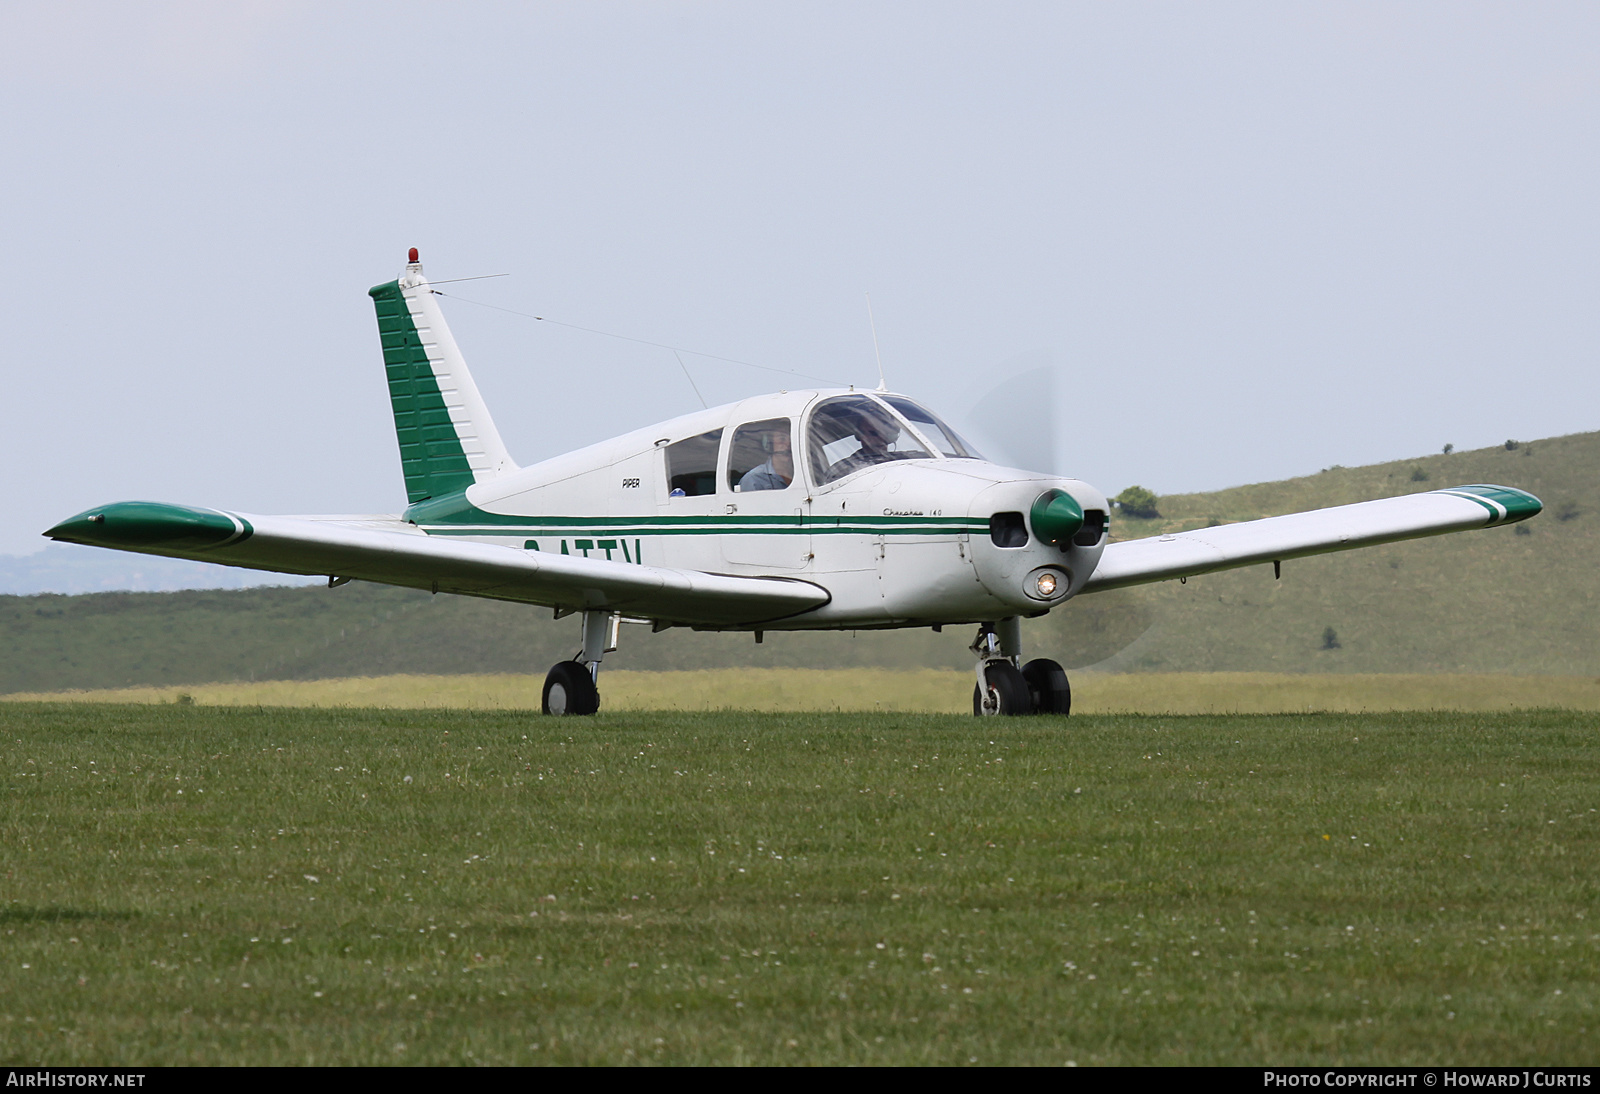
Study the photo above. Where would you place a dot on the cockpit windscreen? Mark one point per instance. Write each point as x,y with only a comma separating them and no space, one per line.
945,439
850,432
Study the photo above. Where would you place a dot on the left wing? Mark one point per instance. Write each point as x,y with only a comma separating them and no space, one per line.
393,552
1320,531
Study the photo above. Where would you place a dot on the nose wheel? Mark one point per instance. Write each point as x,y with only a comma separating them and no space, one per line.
1048,689
1003,691
1039,687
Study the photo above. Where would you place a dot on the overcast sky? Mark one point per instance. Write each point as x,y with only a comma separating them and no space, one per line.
1256,239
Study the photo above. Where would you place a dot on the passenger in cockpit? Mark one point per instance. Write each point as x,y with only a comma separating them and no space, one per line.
778,472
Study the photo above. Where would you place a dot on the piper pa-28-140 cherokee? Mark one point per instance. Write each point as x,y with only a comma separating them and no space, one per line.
803,510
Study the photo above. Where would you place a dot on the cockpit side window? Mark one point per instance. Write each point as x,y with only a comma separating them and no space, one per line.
851,432
760,456
692,465
945,439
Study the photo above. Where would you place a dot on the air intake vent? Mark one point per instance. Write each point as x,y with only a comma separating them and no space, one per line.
1008,530
1094,526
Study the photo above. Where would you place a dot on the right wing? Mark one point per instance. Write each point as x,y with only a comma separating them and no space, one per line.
392,552
1320,531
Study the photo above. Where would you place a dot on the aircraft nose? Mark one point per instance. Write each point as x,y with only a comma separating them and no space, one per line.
136,524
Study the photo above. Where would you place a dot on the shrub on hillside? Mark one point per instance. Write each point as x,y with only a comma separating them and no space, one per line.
1136,501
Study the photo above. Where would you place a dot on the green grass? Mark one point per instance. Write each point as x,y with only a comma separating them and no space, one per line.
803,888
928,691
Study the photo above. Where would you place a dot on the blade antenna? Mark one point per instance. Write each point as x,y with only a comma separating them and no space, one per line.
692,384
883,384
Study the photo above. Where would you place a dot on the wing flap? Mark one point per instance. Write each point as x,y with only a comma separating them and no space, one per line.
392,552
1319,531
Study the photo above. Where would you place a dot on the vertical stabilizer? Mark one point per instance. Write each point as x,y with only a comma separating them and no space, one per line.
447,439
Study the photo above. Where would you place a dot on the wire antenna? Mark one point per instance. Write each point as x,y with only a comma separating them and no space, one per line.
453,280
692,384
883,385
641,341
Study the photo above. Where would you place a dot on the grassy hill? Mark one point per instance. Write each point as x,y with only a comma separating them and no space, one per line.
1520,599
1512,600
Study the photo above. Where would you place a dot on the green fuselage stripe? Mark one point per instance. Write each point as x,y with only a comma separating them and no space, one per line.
790,526
455,516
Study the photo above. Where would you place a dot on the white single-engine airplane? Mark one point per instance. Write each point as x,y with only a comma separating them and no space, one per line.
804,510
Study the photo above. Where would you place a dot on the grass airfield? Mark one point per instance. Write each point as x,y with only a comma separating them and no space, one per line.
232,885
877,690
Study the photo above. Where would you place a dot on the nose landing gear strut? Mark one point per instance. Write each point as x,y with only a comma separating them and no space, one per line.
1006,686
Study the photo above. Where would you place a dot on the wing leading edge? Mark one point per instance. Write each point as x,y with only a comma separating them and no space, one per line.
1320,531
392,552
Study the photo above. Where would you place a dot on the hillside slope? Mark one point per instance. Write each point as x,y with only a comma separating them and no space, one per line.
1520,600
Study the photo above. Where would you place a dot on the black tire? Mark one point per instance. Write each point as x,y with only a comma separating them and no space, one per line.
1007,689
1048,687
569,689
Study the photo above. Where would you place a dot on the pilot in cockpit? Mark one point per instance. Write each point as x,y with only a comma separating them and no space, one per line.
875,434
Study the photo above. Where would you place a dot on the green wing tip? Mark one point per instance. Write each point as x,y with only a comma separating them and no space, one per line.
147,525
1518,504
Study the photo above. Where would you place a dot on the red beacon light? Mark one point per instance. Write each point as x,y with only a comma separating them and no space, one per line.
413,257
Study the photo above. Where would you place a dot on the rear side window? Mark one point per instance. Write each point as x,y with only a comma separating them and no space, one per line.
692,465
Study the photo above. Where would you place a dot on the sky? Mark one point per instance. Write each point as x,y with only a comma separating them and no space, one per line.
1253,240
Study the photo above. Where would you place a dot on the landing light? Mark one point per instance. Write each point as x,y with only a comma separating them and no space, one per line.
1047,583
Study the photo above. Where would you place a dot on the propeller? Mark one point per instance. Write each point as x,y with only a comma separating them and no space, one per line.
1013,420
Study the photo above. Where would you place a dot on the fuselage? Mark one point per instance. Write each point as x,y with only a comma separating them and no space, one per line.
913,531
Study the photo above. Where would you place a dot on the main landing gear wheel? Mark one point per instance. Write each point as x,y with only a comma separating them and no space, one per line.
569,689
1004,691
1047,687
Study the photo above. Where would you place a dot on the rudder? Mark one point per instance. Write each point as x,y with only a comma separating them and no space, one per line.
447,439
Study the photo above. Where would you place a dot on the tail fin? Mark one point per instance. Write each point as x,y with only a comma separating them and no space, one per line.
447,439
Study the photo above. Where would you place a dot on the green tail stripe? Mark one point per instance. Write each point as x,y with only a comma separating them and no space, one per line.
430,451
1518,504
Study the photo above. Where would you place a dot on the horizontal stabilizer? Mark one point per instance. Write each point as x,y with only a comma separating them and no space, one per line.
1320,531
390,551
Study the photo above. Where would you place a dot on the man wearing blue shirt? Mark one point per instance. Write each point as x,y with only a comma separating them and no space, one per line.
778,472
